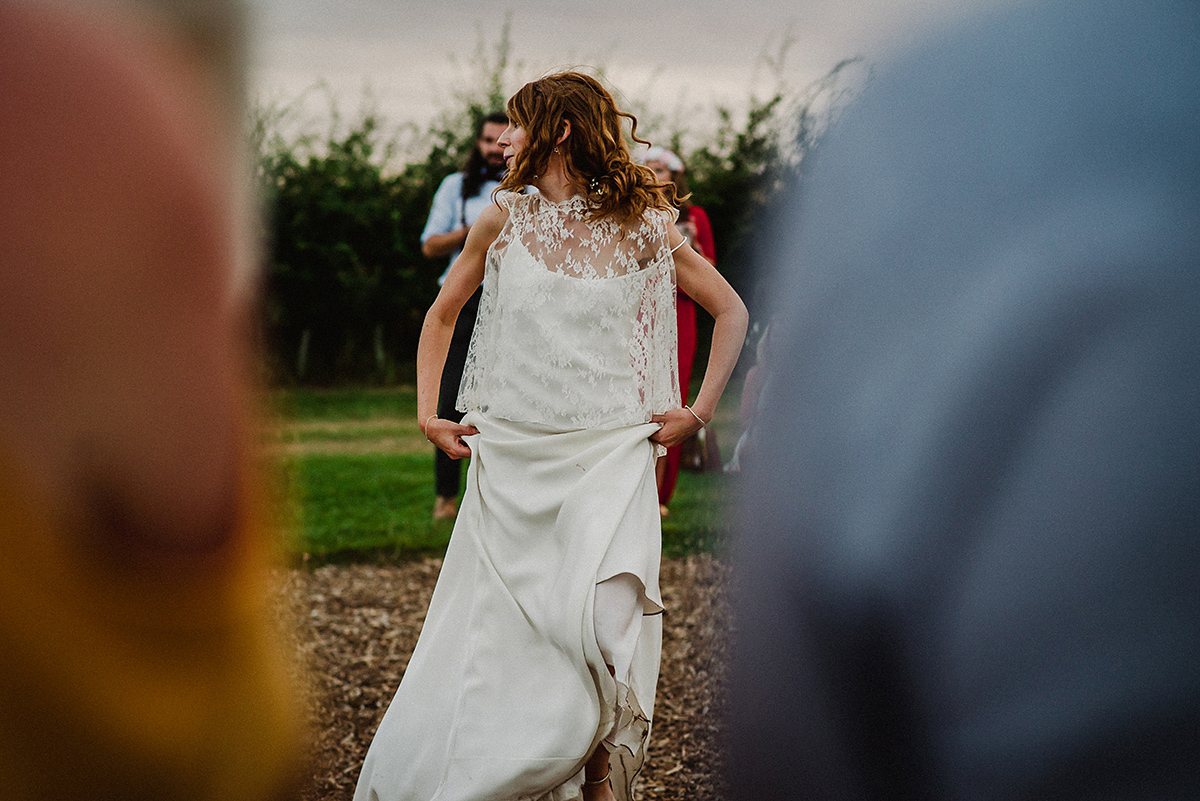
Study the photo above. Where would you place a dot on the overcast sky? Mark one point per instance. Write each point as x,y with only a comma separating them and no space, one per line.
672,55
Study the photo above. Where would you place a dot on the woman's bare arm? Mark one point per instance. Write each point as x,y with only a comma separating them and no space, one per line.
461,282
699,279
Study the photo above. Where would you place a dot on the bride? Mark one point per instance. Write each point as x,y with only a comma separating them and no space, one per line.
535,672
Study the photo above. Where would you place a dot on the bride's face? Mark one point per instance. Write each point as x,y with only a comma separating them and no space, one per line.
512,140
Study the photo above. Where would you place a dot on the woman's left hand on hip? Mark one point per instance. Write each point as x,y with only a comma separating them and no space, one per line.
677,426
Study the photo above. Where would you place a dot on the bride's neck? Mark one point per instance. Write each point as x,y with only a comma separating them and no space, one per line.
556,185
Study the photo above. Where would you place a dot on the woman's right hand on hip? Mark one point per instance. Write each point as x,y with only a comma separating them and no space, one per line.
448,436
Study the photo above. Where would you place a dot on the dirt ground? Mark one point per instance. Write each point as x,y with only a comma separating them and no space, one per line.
355,630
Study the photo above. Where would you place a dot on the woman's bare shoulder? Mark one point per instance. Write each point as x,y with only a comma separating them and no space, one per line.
492,218
500,207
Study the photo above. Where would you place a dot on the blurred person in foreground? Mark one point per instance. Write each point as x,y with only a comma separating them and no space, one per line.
139,659
979,574
457,204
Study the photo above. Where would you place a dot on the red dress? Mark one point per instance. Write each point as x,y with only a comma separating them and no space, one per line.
685,310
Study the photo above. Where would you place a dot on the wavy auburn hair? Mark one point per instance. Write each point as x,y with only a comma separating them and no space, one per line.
595,153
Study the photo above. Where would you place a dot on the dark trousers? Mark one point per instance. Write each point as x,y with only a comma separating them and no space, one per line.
447,472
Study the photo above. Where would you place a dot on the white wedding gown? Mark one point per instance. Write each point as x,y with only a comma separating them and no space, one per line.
551,575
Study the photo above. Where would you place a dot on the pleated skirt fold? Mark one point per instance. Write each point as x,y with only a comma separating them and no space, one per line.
507,691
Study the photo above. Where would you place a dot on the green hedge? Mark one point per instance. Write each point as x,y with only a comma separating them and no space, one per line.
347,286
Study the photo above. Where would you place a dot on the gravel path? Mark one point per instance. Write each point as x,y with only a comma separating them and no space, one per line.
356,626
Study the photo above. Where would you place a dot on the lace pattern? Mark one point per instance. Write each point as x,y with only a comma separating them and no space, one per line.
576,325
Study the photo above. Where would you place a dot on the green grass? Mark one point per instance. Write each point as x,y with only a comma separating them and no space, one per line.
365,433
699,514
358,479
365,504
336,405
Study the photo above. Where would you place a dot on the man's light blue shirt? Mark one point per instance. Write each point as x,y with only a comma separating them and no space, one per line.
449,212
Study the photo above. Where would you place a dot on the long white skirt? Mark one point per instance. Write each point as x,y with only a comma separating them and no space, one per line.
509,691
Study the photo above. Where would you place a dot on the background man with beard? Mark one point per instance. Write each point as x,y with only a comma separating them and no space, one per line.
456,204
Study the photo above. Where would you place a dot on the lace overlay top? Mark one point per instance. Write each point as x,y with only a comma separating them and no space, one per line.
576,325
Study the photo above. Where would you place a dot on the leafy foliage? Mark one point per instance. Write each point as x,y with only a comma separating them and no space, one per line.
347,285
737,177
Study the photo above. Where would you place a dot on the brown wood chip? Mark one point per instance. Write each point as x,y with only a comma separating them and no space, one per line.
354,628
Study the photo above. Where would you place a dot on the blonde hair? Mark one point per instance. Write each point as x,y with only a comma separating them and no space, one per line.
595,153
